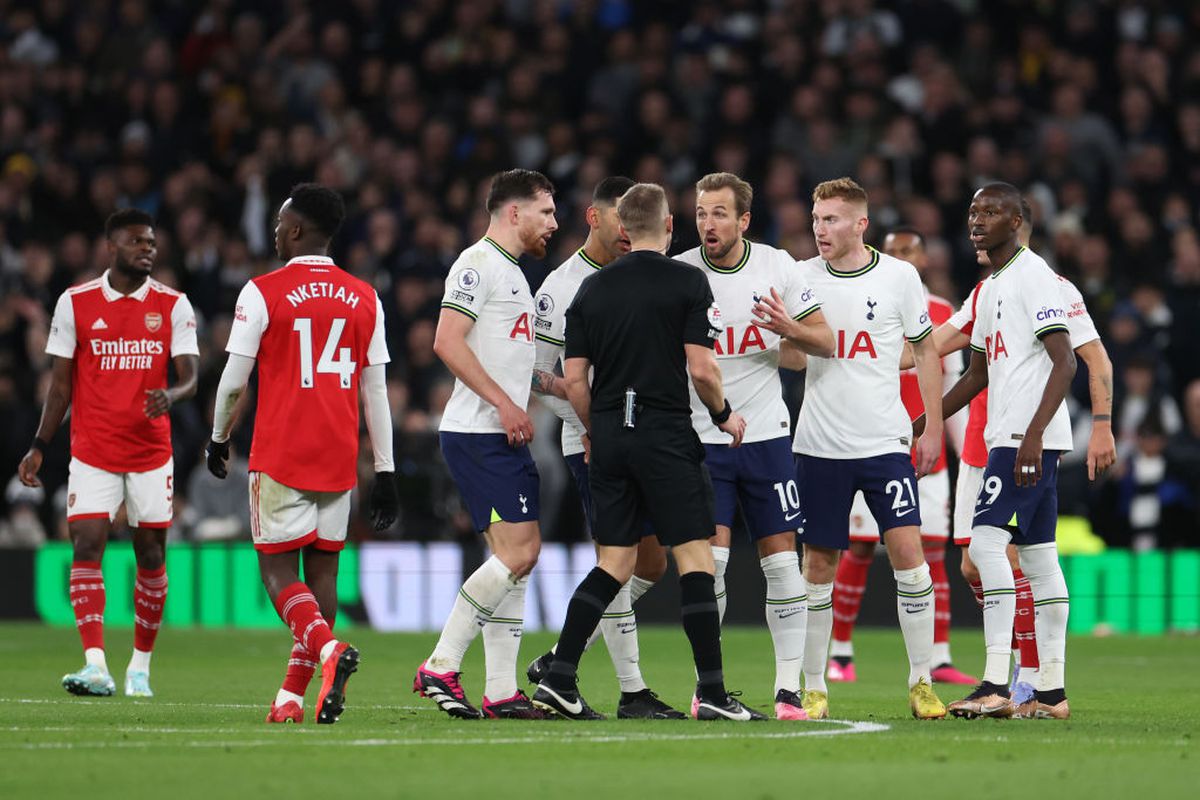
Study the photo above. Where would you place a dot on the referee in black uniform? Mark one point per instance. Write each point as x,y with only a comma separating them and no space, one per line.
644,323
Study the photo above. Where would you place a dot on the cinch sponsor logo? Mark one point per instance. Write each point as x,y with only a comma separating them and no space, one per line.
126,347
1050,313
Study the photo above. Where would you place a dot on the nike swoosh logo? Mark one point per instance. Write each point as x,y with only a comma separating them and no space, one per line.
792,614
791,517
514,291
571,708
913,610
904,513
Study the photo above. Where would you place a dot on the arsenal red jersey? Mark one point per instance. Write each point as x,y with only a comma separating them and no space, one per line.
312,327
910,389
974,452
120,345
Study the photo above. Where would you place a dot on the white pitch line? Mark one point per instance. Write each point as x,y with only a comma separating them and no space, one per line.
151,703
846,728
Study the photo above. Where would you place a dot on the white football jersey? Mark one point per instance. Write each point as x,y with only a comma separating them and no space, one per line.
852,406
1019,304
550,331
486,284
1079,321
749,355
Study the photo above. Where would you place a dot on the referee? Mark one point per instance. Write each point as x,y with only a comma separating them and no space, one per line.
644,323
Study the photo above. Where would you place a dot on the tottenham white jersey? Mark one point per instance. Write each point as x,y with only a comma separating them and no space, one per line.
852,406
749,355
1080,325
486,284
1019,304
550,330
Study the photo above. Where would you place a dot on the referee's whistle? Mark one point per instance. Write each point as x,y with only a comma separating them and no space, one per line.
630,402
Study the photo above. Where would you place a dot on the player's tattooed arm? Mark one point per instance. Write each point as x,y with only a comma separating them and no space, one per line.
548,383
1102,447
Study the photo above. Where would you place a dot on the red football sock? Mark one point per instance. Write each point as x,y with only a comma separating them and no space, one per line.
301,666
1023,630
298,608
977,590
935,557
149,595
87,600
848,586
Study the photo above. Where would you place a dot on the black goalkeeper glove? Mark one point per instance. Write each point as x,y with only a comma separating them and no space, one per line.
385,501
216,454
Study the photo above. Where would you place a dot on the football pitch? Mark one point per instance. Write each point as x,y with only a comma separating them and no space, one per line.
1135,728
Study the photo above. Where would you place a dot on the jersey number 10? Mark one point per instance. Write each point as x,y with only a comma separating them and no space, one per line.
333,359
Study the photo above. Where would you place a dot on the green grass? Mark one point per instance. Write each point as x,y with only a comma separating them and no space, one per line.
1135,727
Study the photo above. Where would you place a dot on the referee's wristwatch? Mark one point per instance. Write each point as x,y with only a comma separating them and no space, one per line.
721,416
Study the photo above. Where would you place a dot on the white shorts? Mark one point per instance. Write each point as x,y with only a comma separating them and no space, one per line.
94,493
934,496
283,518
966,493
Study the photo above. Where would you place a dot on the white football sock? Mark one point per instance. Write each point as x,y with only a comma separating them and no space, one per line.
816,639
941,654
841,649
284,696
619,627
987,550
139,661
720,561
477,599
787,616
1051,604
327,650
914,606
638,587
95,655
502,643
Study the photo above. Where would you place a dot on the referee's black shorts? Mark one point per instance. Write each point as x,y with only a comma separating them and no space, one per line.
653,472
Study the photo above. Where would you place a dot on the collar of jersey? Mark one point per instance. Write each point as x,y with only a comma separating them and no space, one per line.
501,250
870,266
727,270
588,260
324,261
1009,263
111,294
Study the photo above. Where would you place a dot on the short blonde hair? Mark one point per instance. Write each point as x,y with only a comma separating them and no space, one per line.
643,209
840,189
743,193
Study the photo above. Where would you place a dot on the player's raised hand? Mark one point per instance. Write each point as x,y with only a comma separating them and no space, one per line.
28,469
385,501
1101,451
215,455
770,313
517,425
1027,470
735,426
158,402
929,450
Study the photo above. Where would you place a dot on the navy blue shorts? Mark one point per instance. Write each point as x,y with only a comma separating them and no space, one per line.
498,483
827,486
1030,513
579,470
760,475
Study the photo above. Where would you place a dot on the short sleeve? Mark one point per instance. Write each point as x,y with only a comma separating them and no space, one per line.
183,328
576,343
467,287
1044,305
964,319
914,308
249,322
702,324
549,322
377,350
61,341
799,297
978,334
1079,321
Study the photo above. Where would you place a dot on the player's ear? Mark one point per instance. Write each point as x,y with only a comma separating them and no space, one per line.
670,223
592,215
624,233
744,222
514,213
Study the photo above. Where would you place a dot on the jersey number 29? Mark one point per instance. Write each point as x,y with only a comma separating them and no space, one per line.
333,359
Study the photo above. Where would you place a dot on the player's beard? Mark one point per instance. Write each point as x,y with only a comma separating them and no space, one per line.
723,249
534,246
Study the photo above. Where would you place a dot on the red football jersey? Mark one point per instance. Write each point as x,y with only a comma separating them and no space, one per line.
120,346
974,452
910,388
312,327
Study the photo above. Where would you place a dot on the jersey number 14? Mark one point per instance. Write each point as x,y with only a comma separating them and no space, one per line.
334,359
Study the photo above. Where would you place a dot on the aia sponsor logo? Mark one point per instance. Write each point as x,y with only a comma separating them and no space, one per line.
521,329
855,344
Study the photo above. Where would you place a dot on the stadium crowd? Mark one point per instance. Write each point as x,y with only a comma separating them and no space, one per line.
205,115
